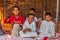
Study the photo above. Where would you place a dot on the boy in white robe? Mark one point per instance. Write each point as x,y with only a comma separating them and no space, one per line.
47,27
29,27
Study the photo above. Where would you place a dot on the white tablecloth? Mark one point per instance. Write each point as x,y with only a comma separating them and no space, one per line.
3,37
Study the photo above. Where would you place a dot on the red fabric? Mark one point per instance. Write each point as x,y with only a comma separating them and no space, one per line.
6,20
13,18
45,38
20,19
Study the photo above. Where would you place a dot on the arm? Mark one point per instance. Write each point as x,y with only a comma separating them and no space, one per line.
35,19
11,19
22,20
41,27
6,21
52,29
34,27
24,27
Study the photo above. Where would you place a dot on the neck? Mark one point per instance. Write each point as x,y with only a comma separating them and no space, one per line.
29,22
15,15
48,20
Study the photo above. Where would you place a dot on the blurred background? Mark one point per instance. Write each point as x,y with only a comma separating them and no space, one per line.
41,7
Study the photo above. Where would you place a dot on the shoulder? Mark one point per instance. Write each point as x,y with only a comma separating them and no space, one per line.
33,22
52,22
26,22
12,16
35,17
43,21
21,16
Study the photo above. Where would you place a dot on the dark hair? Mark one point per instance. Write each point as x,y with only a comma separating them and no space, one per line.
33,9
31,14
48,14
16,7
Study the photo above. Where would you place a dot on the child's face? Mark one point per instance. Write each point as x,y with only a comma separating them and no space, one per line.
30,18
15,11
48,18
31,11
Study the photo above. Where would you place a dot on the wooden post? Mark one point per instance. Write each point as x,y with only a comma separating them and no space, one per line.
57,12
44,11
4,8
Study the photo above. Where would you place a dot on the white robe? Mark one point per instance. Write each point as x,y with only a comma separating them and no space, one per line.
32,26
35,19
46,29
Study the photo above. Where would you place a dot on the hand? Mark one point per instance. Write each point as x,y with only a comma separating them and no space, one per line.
24,31
27,30
8,19
38,32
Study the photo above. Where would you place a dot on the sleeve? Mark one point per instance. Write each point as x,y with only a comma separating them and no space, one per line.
22,20
34,27
41,27
35,19
11,19
5,21
52,29
24,26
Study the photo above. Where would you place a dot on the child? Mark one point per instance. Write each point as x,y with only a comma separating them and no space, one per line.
32,11
47,27
16,20
29,27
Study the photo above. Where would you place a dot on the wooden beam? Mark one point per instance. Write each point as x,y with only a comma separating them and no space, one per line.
57,12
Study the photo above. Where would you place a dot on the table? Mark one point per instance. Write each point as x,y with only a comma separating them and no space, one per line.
57,37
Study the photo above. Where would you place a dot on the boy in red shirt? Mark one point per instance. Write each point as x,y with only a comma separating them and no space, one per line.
17,21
